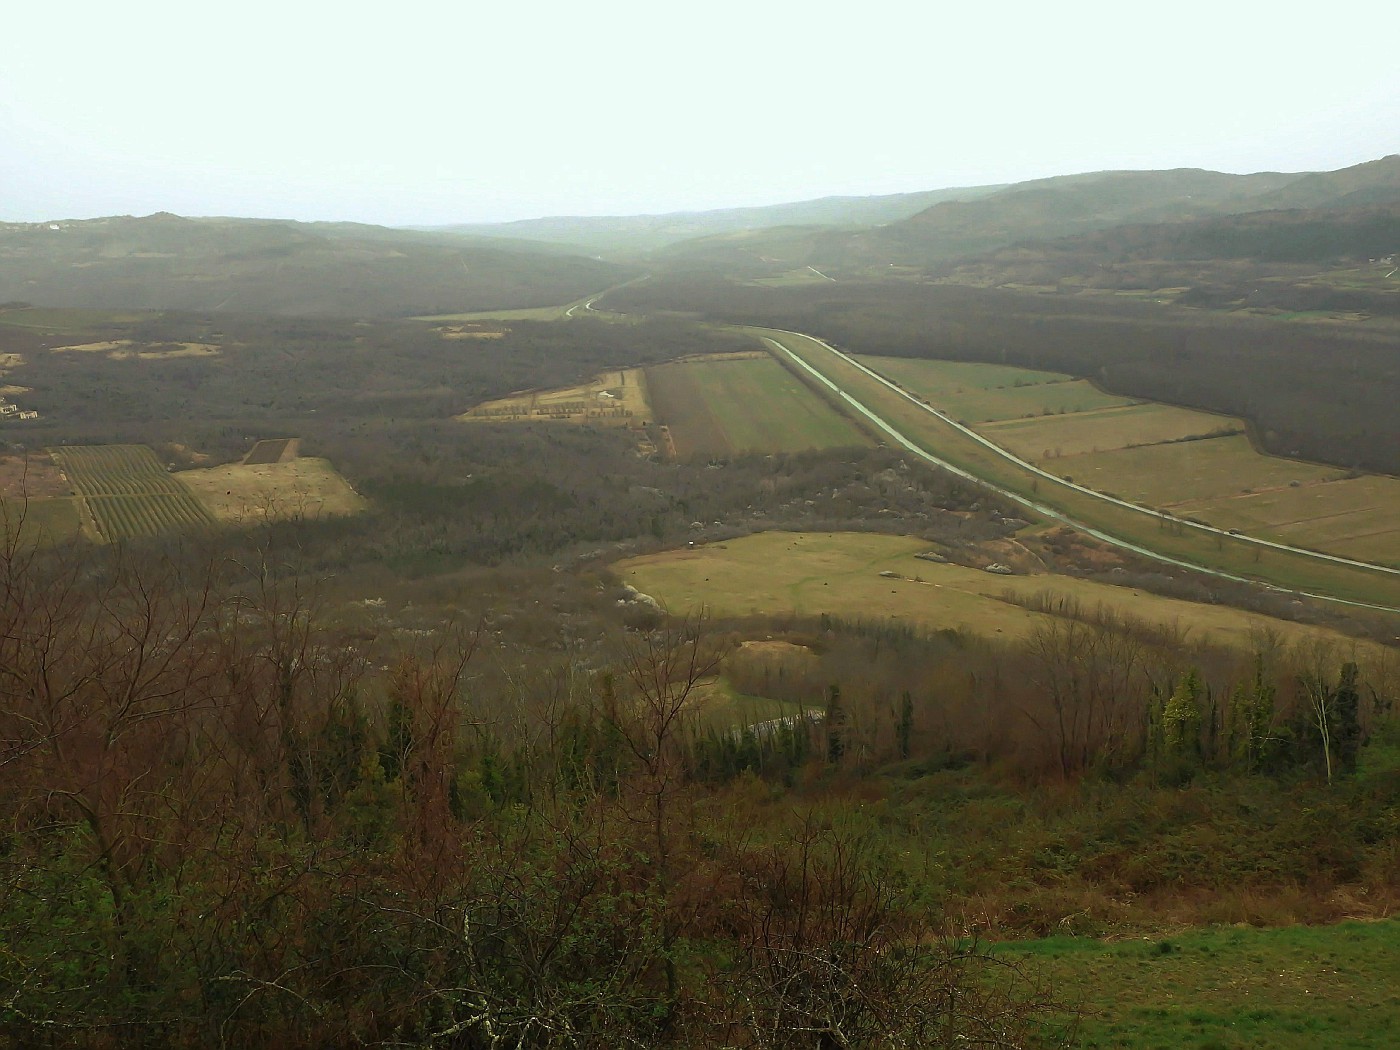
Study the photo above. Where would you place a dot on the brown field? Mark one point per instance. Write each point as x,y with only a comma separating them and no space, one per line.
471,331
123,350
306,487
1180,471
1047,439
272,451
32,476
617,398
839,573
1356,517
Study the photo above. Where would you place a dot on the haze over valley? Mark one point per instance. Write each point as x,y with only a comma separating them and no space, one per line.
734,528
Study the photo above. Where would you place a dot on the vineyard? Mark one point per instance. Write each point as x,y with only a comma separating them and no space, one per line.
128,492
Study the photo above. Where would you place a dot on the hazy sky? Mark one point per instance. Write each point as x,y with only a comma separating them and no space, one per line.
415,112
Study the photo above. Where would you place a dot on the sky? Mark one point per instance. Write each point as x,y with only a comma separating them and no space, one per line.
432,113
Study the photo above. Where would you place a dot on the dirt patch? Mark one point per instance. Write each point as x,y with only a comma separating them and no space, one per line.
255,493
129,350
168,351
471,331
777,649
32,477
105,347
617,398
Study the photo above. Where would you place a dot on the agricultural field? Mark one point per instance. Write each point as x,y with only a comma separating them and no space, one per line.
472,330
746,402
251,492
273,450
617,398
1224,988
1176,473
839,573
1356,517
978,393
1237,555
1047,440
128,492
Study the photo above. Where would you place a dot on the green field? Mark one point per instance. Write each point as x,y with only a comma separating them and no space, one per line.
128,491
1180,471
1048,439
839,573
726,405
63,319
42,521
975,393
1296,988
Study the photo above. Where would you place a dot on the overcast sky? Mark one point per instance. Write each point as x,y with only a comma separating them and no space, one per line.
414,112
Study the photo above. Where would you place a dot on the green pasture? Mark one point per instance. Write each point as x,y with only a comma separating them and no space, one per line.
723,406
1230,988
69,319
974,393
42,521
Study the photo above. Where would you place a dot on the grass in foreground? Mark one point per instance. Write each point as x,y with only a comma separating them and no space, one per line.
1222,989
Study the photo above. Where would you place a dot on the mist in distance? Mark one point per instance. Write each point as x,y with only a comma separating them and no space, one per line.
435,114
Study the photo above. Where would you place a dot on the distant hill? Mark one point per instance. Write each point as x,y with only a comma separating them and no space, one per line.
1031,213
163,261
644,233
1295,235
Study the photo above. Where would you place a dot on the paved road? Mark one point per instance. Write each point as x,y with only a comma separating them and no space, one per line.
1049,512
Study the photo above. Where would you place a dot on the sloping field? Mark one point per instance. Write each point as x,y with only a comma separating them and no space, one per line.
128,492
974,393
717,406
617,398
1357,517
839,573
1181,471
269,451
253,493
1050,438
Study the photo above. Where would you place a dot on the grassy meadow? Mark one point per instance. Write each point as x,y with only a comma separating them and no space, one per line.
1181,473
1232,987
774,573
721,406
979,393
